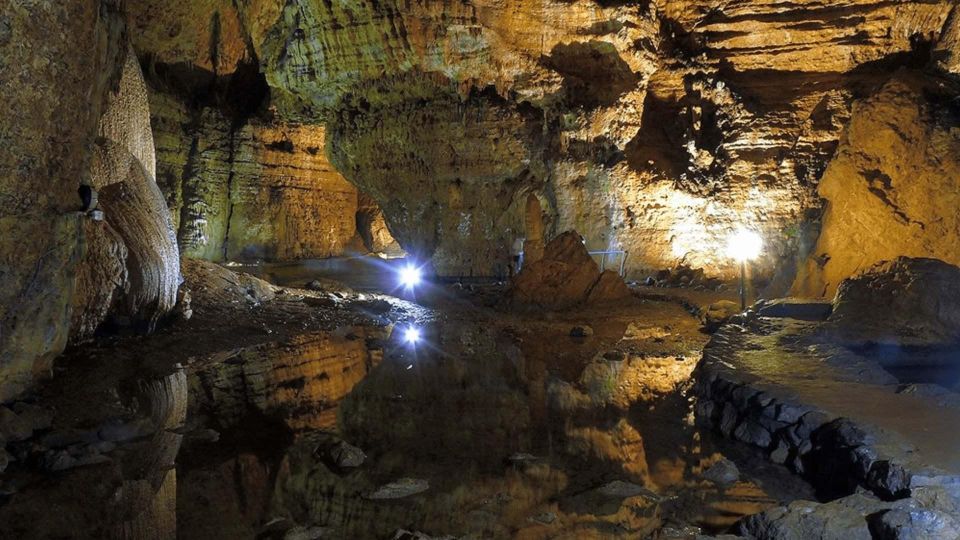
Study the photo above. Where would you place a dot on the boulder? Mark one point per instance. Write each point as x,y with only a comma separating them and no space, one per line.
327,285
804,309
35,416
212,284
842,519
608,287
904,302
722,473
565,277
403,487
345,455
915,524
718,313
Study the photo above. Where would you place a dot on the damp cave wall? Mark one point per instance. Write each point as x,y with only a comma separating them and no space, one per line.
653,127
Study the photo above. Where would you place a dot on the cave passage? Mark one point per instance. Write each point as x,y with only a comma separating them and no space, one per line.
526,269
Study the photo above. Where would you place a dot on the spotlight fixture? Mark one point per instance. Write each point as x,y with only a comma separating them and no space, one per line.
744,245
410,276
411,335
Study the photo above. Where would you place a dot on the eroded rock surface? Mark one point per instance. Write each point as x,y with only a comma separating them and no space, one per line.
566,276
653,128
904,302
56,84
891,188
131,268
263,190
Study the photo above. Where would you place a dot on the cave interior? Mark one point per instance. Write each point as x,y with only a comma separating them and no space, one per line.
533,269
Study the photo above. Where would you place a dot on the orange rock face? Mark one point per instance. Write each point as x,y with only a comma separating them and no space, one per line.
564,277
653,129
891,189
264,190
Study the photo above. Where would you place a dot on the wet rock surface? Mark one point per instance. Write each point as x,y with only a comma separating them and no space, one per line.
880,451
905,302
270,435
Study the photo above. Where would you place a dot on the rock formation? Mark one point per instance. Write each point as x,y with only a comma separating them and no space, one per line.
264,190
57,82
655,128
891,189
904,302
132,261
566,276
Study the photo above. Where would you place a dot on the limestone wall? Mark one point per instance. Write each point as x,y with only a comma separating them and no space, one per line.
892,189
655,128
57,62
130,267
261,190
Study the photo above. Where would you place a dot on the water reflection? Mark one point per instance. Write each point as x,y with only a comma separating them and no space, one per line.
117,479
504,427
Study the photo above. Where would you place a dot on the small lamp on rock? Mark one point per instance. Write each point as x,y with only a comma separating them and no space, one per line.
744,245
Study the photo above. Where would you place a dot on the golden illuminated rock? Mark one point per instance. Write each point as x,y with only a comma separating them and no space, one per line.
566,276
891,190
651,129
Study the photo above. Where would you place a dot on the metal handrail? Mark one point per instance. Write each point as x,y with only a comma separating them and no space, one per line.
603,258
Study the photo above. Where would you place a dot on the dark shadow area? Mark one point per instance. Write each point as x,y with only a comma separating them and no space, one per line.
594,75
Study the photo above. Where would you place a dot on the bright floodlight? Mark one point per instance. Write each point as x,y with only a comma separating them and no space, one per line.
410,276
744,245
411,335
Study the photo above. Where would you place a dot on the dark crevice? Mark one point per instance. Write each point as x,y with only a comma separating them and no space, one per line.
230,160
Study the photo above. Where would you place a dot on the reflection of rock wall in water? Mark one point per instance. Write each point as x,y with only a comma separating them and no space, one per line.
299,382
116,471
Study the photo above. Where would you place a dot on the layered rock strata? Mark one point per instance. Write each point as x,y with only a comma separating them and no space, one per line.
655,128
131,267
261,191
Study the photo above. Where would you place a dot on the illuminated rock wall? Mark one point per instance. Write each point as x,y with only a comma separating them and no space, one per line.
240,183
264,190
893,188
654,128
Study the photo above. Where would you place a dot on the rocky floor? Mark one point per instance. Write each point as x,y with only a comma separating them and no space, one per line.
292,413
